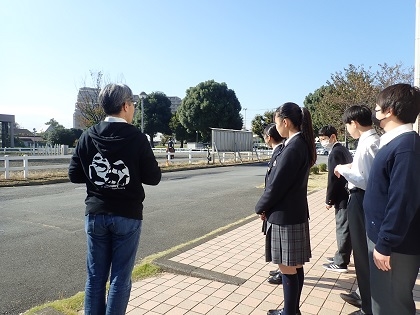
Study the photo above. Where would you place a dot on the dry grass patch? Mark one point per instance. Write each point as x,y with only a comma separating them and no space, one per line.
317,181
37,177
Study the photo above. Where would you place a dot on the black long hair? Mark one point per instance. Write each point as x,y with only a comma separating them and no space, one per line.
301,119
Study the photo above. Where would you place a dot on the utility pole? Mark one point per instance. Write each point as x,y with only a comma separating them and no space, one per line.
245,109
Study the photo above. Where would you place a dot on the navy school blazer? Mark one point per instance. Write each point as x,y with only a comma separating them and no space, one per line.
284,199
337,194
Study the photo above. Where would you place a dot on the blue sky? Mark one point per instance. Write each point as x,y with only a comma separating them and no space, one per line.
267,51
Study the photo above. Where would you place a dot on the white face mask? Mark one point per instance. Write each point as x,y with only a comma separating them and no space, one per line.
325,143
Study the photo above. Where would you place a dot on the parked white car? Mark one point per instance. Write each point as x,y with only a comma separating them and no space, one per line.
320,149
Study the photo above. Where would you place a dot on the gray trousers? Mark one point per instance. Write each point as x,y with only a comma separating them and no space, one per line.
342,256
356,217
392,291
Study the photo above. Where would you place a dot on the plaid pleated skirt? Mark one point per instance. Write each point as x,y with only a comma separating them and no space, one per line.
288,245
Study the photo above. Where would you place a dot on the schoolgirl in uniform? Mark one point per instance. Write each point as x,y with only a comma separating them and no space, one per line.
273,139
284,203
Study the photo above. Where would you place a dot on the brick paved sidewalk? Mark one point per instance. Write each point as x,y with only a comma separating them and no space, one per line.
239,255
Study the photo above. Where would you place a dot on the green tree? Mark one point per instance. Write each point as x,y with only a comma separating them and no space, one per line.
313,103
180,132
61,135
210,105
260,122
157,114
354,85
53,123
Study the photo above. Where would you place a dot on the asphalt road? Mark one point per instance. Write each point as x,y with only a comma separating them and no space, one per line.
42,241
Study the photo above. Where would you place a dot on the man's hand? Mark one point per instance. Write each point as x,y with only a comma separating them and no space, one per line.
381,261
262,216
337,170
328,206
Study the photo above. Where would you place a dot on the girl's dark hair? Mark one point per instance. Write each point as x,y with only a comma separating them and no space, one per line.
271,130
360,113
301,119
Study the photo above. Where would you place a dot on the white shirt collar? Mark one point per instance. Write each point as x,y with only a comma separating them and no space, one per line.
367,134
115,119
392,134
288,140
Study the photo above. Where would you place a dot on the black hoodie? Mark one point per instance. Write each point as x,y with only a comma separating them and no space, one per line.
114,159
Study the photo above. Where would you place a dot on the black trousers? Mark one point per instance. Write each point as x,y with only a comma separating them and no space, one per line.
356,217
342,255
392,291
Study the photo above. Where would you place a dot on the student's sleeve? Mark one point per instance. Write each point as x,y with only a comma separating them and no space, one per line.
150,172
334,183
281,176
75,172
366,159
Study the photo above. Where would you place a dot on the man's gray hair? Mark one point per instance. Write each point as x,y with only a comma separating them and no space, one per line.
113,96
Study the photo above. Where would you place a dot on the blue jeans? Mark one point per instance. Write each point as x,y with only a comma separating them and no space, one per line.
112,243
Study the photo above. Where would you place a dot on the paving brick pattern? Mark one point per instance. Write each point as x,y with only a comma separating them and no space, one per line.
240,253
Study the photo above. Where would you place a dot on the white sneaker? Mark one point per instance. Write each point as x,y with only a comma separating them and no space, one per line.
334,267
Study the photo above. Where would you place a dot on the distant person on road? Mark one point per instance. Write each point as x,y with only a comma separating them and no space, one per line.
358,120
114,159
273,139
170,148
392,203
284,203
337,197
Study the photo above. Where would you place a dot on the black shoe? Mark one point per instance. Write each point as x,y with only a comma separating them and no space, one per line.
280,312
352,298
335,268
274,272
277,279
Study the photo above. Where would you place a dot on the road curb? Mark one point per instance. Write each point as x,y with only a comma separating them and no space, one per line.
170,266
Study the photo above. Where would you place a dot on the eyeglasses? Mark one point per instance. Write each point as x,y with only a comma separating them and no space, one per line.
132,101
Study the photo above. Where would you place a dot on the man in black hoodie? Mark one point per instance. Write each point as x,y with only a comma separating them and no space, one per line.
113,159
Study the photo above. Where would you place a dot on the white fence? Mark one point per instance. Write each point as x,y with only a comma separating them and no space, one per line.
25,164
180,156
40,150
